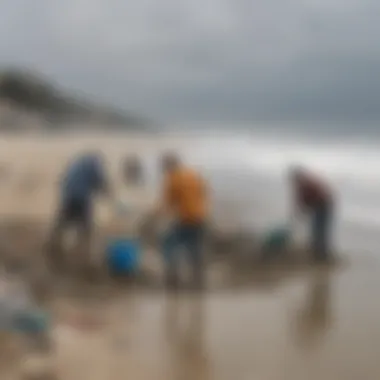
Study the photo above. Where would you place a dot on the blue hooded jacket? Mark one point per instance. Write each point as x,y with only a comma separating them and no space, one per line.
84,177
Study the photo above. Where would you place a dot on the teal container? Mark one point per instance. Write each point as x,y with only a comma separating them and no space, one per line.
36,322
276,239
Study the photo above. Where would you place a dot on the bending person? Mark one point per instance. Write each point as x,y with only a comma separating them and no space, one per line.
83,179
314,198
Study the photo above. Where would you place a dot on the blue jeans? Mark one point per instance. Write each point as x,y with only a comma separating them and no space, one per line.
321,225
189,237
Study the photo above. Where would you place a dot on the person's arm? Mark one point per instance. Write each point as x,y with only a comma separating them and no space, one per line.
103,186
162,207
205,194
203,188
297,209
297,212
101,182
167,199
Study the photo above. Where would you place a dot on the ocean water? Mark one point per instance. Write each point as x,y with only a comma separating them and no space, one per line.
248,178
247,172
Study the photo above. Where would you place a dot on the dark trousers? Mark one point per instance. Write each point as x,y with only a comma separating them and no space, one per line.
72,213
190,237
321,226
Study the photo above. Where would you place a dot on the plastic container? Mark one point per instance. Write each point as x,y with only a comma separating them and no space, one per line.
31,322
123,256
13,302
18,310
20,316
276,239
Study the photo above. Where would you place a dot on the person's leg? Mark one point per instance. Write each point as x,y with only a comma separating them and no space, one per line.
321,231
171,243
326,236
193,239
317,225
55,254
84,219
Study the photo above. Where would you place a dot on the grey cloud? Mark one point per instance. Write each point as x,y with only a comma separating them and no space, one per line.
206,59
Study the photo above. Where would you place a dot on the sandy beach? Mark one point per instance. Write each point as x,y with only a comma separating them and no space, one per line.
314,323
319,324
33,165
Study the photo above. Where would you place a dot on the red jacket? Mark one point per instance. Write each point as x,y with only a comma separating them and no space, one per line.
311,192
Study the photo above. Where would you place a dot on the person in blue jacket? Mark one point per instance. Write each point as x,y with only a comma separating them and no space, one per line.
82,181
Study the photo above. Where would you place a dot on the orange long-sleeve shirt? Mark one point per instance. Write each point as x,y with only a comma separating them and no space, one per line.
186,195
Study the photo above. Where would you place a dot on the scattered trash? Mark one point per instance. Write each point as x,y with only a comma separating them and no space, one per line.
11,350
20,315
85,322
38,367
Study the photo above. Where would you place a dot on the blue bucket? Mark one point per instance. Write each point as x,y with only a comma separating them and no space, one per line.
123,256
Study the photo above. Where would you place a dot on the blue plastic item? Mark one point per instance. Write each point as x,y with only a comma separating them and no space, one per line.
123,256
276,239
31,322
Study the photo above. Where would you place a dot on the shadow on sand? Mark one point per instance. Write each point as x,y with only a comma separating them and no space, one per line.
22,252
315,316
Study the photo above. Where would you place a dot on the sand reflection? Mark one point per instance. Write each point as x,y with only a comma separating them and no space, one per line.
185,333
314,319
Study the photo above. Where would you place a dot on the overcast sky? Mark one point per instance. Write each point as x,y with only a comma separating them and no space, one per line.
206,59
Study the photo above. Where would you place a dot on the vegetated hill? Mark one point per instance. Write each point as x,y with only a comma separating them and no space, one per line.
29,95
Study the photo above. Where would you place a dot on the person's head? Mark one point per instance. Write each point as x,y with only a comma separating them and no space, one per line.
170,162
93,156
297,173
132,169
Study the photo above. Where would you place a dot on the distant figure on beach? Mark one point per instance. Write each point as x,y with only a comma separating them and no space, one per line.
133,171
185,201
83,179
137,199
313,197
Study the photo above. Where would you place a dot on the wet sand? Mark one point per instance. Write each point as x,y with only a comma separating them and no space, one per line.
318,325
313,323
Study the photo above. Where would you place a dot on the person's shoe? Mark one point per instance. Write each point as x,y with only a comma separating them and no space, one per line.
56,263
198,284
323,259
197,287
171,282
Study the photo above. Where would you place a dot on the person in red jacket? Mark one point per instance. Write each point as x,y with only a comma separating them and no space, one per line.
314,197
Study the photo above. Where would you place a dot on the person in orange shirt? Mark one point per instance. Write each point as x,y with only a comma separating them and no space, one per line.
185,199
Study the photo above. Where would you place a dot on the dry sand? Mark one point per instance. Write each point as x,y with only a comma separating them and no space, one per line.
310,324
31,166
